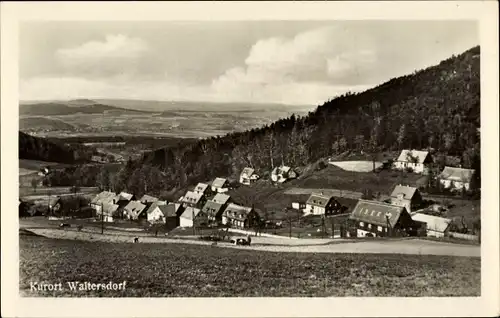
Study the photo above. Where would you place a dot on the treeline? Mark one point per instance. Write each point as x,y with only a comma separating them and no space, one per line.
35,148
438,107
151,141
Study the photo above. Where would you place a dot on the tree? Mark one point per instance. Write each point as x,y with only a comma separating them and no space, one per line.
401,136
34,184
103,179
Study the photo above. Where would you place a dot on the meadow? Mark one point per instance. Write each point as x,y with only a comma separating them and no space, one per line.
178,270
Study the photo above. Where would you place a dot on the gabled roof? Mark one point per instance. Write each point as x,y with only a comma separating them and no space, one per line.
319,199
281,170
124,196
457,174
135,207
375,212
247,172
219,182
192,197
201,187
109,208
434,223
190,212
418,154
407,192
212,208
104,197
169,210
148,198
154,205
238,212
221,198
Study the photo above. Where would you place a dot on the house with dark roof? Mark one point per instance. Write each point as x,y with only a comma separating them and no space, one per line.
248,176
240,216
282,174
322,204
133,210
220,185
214,211
416,160
374,218
406,196
456,178
165,213
433,225
221,198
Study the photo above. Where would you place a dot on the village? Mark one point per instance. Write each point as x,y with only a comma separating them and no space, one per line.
209,211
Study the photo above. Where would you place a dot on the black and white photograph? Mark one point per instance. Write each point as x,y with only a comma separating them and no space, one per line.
222,158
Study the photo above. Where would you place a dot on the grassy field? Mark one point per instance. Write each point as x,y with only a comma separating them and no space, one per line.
177,270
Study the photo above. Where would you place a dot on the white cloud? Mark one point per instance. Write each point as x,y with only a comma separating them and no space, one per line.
114,46
117,54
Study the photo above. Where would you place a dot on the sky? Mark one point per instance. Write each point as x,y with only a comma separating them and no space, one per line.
287,62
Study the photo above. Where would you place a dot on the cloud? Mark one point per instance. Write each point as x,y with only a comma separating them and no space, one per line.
116,54
308,68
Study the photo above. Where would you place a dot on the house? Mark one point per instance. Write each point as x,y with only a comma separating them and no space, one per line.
101,198
170,213
213,210
374,218
248,176
108,211
298,205
433,225
203,188
416,160
133,209
221,198
155,213
322,204
191,198
124,196
406,196
151,206
240,216
148,199
282,174
192,216
220,185
456,178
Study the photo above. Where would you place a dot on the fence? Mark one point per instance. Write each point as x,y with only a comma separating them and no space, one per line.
468,237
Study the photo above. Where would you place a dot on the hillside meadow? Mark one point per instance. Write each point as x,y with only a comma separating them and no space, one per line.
177,270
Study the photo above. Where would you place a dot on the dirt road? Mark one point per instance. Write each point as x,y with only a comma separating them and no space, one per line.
401,246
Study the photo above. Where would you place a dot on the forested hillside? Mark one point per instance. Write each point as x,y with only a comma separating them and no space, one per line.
438,107
35,148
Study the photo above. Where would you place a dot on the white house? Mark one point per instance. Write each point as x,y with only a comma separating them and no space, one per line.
456,178
434,225
191,198
248,176
190,216
406,196
105,197
416,160
154,213
322,204
220,185
202,188
282,174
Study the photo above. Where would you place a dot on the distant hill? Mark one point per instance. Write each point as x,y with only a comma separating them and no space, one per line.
39,122
82,106
35,148
438,107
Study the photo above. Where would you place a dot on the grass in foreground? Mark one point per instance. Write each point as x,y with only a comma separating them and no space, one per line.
178,270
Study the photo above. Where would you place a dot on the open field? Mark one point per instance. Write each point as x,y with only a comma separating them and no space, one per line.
357,166
28,193
176,270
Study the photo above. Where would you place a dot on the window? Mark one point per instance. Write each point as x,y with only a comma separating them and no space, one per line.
379,228
361,224
369,226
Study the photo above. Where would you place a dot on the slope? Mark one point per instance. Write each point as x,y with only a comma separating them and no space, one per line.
438,107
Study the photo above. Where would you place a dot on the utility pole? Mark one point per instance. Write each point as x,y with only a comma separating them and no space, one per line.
192,216
102,217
